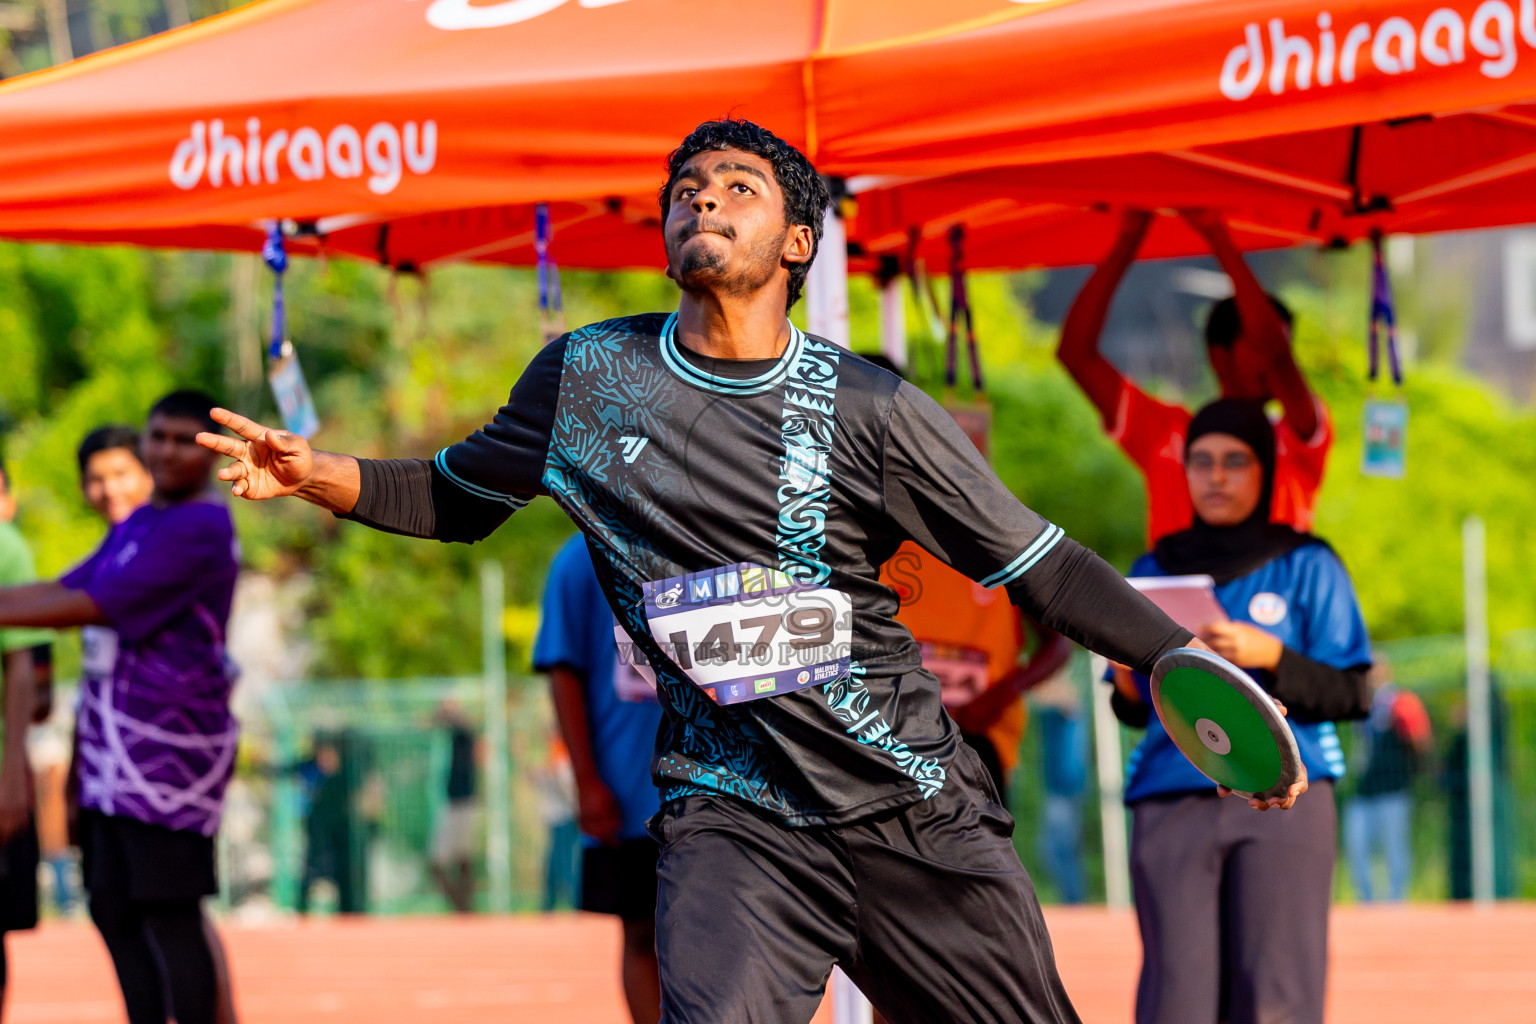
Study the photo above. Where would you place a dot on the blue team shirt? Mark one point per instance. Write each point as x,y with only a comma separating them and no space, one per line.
1304,598
577,630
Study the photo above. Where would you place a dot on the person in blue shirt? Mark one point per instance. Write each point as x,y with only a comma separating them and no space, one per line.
609,717
1058,714
1232,905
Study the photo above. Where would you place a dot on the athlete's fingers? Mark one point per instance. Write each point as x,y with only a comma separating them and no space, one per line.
231,446
233,471
283,441
246,428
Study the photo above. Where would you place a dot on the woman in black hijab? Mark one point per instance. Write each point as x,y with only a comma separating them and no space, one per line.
1233,904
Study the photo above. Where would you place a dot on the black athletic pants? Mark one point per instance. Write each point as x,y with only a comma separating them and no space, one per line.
926,908
146,939
146,887
1233,908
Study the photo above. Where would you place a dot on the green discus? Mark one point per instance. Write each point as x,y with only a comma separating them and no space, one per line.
1225,723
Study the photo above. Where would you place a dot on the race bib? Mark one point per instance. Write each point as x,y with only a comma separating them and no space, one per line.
742,631
634,681
98,651
962,672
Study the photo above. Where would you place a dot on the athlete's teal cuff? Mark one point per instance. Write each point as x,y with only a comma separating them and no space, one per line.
440,460
1027,558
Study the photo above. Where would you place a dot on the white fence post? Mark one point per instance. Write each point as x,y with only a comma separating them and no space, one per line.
1479,710
1106,745
498,816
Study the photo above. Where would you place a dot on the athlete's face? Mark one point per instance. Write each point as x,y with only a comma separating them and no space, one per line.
1226,479
179,465
115,483
726,231
7,500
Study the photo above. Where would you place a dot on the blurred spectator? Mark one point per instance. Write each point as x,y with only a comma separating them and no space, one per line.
1459,799
1064,771
608,716
115,483
556,785
156,739
18,830
331,851
49,751
1396,742
453,839
1233,904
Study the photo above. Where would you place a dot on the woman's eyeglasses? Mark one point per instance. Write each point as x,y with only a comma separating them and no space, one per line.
1232,462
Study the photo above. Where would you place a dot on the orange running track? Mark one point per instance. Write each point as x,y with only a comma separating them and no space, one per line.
1408,965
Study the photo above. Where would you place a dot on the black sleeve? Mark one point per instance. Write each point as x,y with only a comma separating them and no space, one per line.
939,491
1081,596
1314,692
470,488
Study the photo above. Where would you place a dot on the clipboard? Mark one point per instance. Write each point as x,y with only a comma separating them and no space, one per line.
1188,600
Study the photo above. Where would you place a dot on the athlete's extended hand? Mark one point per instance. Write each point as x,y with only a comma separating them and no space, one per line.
268,463
1283,803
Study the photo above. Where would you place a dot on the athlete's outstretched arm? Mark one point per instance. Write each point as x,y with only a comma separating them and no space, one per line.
463,494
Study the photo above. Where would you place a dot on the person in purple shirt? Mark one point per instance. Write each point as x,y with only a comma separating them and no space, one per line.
155,737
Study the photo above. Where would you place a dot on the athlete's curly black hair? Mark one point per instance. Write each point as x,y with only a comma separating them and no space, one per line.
805,194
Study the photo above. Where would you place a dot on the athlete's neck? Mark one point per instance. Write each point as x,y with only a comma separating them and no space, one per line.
734,327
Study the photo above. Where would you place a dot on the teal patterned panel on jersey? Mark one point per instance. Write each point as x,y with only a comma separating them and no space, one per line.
810,421
615,390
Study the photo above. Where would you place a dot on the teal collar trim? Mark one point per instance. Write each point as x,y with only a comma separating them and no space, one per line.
762,383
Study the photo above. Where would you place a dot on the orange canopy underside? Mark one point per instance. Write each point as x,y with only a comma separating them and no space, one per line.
414,131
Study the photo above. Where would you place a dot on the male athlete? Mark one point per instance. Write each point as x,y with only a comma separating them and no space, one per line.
740,483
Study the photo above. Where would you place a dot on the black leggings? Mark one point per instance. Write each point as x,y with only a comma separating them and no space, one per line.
161,954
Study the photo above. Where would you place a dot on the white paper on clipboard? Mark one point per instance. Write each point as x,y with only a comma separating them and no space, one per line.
1188,600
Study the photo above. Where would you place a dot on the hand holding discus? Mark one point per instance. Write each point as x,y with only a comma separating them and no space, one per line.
271,463
1228,727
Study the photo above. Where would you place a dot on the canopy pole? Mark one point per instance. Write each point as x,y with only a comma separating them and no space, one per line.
826,287
893,312
1479,708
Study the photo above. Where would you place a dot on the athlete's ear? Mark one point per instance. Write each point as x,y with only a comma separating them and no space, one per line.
798,243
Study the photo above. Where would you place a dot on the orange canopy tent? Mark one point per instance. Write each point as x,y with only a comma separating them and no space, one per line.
418,130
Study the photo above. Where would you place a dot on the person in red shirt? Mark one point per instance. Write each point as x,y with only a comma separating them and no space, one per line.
1248,342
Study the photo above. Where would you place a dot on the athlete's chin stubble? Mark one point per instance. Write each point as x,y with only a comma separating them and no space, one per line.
705,269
